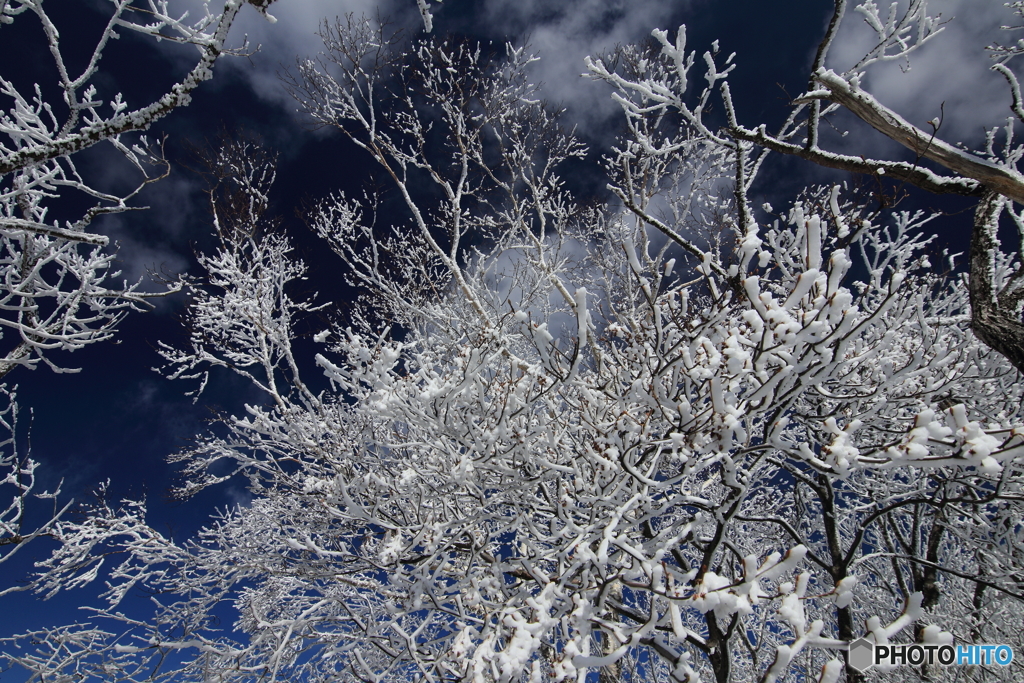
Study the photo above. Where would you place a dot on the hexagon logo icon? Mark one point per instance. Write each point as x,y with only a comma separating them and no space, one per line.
862,654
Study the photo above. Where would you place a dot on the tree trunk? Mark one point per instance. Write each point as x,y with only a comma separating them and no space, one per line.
1000,329
611,673
718,649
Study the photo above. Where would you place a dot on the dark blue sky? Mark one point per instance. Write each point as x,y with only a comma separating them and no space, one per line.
117,418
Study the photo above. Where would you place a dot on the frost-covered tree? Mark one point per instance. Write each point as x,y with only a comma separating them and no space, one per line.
60,289
59,286
667,437
899,30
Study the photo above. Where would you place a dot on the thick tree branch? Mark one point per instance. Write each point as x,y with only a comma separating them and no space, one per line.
179,95
898,170
1005,181
53,231
999,328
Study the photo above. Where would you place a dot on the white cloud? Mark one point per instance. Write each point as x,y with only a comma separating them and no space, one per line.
293,33
562,34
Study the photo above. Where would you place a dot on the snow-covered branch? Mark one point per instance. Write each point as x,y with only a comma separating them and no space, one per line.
60,288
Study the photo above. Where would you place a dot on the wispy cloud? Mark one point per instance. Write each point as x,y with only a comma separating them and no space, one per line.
562,34
291,34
